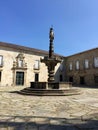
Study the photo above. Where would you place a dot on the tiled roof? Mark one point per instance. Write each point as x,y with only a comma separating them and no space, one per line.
84,52
26,49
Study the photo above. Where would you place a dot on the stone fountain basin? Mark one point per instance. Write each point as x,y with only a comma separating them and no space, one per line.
50,85
50,89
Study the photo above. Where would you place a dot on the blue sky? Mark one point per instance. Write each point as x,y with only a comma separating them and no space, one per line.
27,23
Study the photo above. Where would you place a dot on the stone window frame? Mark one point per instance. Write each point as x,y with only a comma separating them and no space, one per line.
36,65
77,65
20,60
20,63
96,79
86,64
70,66
1,60
95,62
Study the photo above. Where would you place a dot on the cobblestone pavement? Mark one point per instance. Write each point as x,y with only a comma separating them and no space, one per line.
75,112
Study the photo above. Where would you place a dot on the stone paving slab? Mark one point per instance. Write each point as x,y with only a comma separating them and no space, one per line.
75,112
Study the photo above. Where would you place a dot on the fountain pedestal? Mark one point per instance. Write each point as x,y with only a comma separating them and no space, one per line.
50,85
51,61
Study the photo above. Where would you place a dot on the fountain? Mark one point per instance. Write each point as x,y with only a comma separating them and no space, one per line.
50,88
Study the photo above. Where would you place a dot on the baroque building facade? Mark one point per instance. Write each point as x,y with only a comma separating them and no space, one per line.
21,65
82,68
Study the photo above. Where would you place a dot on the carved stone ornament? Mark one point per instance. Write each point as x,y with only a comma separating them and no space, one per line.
20,62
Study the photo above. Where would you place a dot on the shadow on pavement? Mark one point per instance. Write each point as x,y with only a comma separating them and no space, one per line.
45,123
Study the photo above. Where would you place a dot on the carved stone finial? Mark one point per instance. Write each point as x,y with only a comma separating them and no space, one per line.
51,34
51,48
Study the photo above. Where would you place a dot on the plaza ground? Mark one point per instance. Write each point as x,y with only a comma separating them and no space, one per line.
75,112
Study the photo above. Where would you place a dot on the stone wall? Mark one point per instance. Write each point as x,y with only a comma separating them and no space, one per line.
88,74
8,73
62,72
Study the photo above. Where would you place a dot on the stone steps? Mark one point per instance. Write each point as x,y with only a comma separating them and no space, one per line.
49,92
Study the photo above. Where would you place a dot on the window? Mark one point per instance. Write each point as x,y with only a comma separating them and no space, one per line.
70,66
20,63
0,76
36,77
1,60
86,64
71,79
37,64
77,65
82,80
96,62
96,79
61,67
61,78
